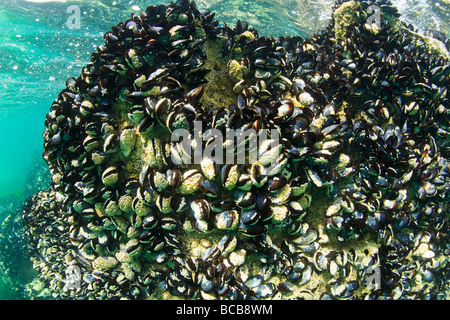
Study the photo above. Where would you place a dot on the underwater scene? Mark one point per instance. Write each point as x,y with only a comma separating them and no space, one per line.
225,150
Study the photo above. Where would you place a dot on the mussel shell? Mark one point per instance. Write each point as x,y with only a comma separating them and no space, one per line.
227,219
209,188
252,230
201,209
263,202
250,217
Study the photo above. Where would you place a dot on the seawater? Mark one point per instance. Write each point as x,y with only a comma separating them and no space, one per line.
40,49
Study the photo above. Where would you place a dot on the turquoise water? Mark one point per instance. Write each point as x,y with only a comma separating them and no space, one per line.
36,58
38,52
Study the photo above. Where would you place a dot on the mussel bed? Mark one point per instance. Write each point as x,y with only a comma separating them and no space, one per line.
359,191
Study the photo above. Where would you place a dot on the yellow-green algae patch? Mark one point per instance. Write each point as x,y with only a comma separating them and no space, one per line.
218,92
344,16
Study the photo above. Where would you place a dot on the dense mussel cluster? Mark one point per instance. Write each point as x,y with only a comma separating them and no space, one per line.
360,183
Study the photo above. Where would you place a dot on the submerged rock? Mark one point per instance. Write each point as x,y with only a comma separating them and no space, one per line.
337,169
